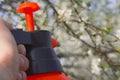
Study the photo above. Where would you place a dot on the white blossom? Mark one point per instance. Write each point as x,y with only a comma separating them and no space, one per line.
64,15
95,69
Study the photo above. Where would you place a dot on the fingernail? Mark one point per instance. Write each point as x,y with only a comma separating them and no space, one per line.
22,76
19,76
22,62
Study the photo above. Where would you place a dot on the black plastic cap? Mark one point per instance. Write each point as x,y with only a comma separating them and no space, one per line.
40,38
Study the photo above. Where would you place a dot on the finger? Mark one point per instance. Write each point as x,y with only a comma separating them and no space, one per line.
21,75
21,49
24,63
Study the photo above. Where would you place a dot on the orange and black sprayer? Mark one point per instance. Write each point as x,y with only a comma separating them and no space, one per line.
44,64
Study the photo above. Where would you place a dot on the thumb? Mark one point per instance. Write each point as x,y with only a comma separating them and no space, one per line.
8,52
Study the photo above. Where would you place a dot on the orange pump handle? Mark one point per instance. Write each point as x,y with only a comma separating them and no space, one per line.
28,8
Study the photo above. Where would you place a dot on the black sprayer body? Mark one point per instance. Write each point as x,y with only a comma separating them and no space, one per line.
40,54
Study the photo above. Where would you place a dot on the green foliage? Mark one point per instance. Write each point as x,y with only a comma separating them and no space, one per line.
79,2
88,4
108,29
104,65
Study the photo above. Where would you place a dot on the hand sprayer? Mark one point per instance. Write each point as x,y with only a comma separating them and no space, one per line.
44,64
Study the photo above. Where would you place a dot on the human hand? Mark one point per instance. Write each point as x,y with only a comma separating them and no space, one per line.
13,62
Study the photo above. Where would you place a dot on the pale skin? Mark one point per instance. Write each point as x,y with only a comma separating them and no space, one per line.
13,62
